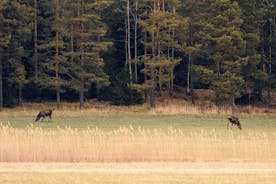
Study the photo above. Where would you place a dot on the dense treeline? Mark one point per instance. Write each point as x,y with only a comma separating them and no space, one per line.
127,51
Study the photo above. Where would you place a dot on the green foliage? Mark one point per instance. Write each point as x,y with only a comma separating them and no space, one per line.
203,74
15,22
88,32
121,93
228,87
228,46
224,44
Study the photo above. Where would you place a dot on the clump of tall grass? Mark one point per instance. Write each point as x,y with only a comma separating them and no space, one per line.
128,144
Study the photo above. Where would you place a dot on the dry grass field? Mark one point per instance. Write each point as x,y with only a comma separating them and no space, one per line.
111,178
138,173
128,144
137,146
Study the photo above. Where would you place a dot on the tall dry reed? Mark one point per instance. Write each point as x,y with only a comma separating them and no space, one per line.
128,144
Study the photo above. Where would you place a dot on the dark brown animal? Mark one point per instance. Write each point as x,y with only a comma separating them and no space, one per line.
43,114
234,121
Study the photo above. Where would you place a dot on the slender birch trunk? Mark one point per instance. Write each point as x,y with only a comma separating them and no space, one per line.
128,42
135,41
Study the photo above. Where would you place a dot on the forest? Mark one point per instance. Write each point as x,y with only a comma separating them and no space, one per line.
129,51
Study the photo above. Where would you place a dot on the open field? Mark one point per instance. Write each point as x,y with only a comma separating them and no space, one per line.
111,178
211,172
111,121
136,148
130,137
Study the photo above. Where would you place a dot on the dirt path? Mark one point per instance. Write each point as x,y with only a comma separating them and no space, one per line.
128,168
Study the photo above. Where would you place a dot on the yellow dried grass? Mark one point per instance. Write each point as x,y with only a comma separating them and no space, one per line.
127,144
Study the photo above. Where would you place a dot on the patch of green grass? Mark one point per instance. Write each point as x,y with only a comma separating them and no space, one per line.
113,178
114,121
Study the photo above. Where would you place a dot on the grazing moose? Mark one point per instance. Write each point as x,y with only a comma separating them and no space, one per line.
43,114
234,121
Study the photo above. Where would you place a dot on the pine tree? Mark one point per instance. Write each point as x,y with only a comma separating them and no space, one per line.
89,43
158,25
224,42
55,66
4,40
17,22
35,11
253,74
190,40
268,44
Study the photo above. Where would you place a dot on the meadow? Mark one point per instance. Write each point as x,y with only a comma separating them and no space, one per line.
136,138
111,178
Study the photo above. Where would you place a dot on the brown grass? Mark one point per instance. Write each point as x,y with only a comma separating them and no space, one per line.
126,144
172,107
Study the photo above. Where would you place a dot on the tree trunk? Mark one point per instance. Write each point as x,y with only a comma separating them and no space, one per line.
233,105
264,70
145,44
58,97
20,95
145,51
153,50
126,49
35,41
57,59
152,98
158,32
98,89
128,42
269,63
159,47
82,95
81,62
135,41
153,44
1,79
188,74
72,42
192,80
145,55
171,82
173,53
190,86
